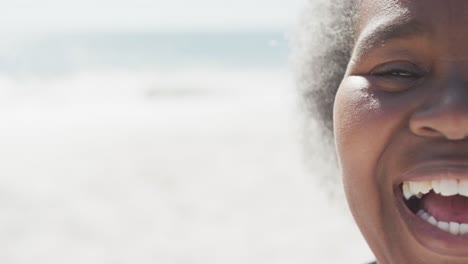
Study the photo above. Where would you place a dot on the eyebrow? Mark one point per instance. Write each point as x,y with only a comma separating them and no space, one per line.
384,32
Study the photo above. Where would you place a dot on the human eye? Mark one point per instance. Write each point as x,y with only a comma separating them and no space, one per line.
397,76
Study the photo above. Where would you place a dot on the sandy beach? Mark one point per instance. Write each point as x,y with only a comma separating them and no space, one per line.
158,175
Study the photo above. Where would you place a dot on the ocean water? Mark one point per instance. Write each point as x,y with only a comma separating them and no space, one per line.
61,53
160,148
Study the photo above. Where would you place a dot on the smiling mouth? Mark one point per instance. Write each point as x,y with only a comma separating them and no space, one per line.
443,203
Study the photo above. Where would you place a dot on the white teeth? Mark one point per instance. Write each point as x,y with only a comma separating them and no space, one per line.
436,186
406,191
463,229
425,216
448,187
445,187
433,221
452,227
420,187
463,187
443,226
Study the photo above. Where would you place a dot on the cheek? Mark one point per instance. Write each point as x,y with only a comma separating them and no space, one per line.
365,122
355,123
358,120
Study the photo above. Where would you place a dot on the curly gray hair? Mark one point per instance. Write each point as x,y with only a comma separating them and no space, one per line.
321,50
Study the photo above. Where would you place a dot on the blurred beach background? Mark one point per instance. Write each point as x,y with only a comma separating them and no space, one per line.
158,132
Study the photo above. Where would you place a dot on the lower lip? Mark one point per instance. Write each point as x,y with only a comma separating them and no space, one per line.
430,236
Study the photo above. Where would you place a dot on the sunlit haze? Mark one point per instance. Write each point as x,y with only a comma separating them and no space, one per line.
144,15
151,131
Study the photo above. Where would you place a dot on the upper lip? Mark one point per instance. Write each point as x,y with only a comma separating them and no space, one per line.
434,160
437,169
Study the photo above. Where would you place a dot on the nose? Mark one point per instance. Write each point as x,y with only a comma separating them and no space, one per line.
445,115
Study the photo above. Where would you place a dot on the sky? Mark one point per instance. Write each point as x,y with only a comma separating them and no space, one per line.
160,15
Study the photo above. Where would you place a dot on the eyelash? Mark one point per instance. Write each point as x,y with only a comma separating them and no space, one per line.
398,73
397,76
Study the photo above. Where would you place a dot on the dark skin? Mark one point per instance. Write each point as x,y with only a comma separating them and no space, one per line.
403,102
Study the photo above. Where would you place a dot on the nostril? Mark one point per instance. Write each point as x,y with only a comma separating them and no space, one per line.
428,131
431,132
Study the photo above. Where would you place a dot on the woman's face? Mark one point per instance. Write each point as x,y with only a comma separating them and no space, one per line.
401,127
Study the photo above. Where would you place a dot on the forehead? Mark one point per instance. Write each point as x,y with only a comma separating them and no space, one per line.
450,11
441,21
